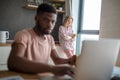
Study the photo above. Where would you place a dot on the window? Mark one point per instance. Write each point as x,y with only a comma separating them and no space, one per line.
90,20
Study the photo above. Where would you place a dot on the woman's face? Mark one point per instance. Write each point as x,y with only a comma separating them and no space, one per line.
69,22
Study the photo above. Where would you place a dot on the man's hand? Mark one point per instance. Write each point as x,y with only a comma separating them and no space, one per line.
72,60
61,70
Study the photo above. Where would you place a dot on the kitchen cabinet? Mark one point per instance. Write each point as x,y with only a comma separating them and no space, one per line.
4,53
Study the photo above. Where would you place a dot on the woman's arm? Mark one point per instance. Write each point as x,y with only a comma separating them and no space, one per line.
63,35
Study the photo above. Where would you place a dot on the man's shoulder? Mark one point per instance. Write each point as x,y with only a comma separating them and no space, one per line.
27,30
49,36
23,34
24,31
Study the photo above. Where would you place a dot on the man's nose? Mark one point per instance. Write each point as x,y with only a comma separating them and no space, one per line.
50,24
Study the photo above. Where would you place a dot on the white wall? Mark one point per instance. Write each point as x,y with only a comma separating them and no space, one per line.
110,20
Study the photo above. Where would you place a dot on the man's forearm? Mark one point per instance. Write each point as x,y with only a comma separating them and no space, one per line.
25,66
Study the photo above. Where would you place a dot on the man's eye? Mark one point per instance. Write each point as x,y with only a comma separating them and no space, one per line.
45,20
53,22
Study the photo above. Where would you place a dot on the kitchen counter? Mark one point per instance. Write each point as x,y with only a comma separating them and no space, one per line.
8,43
4,53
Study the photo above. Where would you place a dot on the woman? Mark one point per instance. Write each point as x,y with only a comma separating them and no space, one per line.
66,36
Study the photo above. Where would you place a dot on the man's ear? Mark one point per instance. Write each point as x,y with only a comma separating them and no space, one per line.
36,18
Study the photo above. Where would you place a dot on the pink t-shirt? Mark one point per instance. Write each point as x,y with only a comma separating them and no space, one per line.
37,49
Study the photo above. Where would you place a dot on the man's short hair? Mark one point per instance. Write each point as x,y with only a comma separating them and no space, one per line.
45,7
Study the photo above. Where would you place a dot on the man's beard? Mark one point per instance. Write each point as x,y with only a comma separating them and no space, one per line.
42,30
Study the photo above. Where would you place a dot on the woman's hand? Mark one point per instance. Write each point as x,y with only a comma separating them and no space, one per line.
73,36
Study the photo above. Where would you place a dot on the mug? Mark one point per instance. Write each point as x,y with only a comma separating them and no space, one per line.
60,8
3,36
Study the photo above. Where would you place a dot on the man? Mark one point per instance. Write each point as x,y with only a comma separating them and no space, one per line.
32,48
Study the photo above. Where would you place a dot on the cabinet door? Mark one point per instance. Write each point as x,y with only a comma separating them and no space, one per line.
4,53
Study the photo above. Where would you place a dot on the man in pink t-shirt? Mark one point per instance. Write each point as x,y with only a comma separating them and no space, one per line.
33,47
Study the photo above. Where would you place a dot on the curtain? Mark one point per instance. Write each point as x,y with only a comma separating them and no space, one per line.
68,7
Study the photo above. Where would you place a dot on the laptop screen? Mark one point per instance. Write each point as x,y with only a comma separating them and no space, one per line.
97,59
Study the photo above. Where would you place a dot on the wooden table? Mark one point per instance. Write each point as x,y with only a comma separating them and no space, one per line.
41,76
25,76
4,74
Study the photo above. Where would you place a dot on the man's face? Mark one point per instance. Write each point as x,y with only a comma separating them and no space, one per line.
45,22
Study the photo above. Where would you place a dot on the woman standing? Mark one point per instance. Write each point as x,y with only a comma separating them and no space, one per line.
66,36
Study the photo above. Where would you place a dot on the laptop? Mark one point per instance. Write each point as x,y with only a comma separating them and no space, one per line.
97,59
95,62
